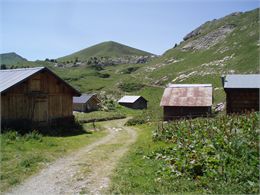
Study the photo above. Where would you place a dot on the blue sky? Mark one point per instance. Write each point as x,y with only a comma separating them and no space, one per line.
54,28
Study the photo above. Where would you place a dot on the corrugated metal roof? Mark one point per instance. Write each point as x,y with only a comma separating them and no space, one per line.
187,95
128,99
189,85
242,81
83,98
10,77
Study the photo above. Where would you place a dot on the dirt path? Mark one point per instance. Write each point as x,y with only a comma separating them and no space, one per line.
86,171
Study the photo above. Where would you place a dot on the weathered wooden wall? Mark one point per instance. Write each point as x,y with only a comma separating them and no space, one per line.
241,100
92,104
172,112
41,98
80,107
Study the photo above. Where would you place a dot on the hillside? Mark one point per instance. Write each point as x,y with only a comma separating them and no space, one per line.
226,45
11,58
106,49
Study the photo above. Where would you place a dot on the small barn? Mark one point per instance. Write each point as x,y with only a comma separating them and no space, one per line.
186,100
134,102
35,95
86,103
242,92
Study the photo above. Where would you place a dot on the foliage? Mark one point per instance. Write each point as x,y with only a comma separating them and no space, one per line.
213,152
98,116
34,135
129,70
103,75
135,121
130,87
108,104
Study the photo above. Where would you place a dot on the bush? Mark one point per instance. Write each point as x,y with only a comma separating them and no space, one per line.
34,135
11,135
129,87
101,75
214,152
129,70
135,121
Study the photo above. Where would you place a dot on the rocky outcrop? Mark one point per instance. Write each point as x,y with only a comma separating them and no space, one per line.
210,39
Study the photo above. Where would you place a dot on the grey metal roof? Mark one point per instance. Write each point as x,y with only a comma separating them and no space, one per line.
129,99
187,95
10,77
83,98
242,81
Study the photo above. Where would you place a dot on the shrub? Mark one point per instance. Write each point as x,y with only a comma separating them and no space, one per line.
129,87
129,70
105,75
11,135
135,121
34,135
215,152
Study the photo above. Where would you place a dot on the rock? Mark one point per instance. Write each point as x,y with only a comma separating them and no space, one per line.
210,39
193,33
219,107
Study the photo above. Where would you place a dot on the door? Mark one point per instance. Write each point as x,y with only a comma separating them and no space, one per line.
41,110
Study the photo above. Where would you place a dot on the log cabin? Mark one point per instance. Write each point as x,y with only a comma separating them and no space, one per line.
186,100
242,92
35,95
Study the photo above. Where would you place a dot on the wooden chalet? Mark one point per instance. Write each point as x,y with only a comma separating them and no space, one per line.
134,102
186,100
35,95
86,103
242,92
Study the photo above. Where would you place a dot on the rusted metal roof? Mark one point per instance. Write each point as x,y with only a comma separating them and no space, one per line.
187,95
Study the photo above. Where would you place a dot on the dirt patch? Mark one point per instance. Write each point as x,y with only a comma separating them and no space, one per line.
85,171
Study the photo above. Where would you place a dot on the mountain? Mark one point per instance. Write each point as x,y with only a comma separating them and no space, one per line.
227,45
11,58
105,49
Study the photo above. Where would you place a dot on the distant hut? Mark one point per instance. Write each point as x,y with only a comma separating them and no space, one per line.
186,100
35,95
135,102
242,92
86,103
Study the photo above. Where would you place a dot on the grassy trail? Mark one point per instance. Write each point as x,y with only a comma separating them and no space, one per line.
86,170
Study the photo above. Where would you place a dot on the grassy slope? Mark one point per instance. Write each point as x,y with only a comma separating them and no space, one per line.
22,156
109,48
11,58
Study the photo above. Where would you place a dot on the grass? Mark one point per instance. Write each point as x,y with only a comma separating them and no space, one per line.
203,156
109,48
136,174
98,116
22,156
